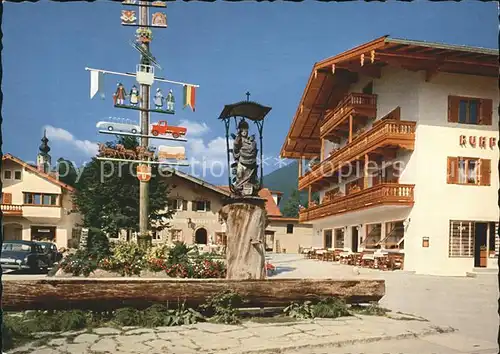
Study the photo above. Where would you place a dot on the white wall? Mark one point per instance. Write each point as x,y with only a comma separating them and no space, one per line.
436,201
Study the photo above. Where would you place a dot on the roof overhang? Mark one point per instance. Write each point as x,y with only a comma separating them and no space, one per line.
330,79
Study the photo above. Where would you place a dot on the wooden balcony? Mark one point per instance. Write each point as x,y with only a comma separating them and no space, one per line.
382,194
11,209
384,133
355,104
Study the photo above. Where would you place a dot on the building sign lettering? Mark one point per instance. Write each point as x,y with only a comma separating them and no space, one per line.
475,141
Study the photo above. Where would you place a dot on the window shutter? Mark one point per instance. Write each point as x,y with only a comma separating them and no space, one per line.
184,205
207,205
485,111
6,198
452,170
453,103
485,172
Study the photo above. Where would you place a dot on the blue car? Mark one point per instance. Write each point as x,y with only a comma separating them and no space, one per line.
24,255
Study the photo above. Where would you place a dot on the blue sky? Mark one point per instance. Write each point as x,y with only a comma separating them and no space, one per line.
226,48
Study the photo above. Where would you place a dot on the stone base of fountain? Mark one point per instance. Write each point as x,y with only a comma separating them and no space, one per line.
246,221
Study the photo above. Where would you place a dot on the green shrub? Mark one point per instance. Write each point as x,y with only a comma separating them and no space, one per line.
300,311
71,320
221,307
128,317
127,258
331,308
98,243
179,254
156,316
373,309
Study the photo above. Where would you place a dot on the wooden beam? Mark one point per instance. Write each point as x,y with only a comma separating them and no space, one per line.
309,195
299,139
110,294
365,172
301,163
384,56
350,128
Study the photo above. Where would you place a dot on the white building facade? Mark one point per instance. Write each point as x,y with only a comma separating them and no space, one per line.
407,153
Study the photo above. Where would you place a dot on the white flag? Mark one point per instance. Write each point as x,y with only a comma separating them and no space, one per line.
96,83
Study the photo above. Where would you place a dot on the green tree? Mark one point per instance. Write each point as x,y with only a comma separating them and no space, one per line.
107,194
291,208
67,171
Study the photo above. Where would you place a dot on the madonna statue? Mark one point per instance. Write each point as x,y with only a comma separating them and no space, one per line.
245,156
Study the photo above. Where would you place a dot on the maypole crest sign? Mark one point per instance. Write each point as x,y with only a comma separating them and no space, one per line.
476,141
144,173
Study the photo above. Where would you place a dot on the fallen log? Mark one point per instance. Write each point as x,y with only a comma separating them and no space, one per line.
109,294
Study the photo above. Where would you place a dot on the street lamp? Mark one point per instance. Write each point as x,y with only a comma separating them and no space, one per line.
243,176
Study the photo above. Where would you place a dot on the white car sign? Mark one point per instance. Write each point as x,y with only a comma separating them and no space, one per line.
120,127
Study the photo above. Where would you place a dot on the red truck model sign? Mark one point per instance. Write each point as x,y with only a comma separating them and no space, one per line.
162,128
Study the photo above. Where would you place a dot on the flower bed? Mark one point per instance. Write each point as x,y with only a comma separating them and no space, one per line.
127,259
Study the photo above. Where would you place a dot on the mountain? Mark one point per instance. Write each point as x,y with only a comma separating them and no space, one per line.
285,180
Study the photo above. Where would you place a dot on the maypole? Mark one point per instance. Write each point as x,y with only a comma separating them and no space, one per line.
139,99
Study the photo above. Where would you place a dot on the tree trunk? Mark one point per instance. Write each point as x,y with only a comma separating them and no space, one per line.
245,228
109,294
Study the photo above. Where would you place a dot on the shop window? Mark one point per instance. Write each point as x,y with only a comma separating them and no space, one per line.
461,241
43,233
339,238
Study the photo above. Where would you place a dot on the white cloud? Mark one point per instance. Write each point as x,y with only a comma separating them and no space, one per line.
87,147
194,128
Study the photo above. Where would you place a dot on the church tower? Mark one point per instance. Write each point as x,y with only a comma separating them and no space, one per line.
43,161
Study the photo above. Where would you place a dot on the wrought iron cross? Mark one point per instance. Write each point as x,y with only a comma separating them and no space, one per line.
248,96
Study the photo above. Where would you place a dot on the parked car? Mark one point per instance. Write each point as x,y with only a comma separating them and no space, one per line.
50,249
117,126
23,255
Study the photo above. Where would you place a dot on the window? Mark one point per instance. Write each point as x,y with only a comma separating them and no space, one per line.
373,236
7,174
201,205
178,204
461,239
327,239
175,235
467,110
339,238
471,171
17,175
41,199
155,235
289,228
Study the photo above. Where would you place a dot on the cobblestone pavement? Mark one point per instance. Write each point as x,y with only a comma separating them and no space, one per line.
249,337
467,304
453,343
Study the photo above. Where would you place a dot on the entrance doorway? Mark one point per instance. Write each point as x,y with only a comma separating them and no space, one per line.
12,232
480,245
201,237
354,238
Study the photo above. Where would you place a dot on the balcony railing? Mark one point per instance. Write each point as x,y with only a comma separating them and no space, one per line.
11,209
383,132
382,194
353,103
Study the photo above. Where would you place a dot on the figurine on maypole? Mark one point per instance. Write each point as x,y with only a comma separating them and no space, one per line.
120,95
134,96
170,101
158,100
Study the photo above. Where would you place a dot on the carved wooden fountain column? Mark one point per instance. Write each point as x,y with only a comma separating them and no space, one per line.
246,221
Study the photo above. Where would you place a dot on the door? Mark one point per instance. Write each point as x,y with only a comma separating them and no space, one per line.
355,238
480,246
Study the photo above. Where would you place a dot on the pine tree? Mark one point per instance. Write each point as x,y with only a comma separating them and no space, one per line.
291,208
